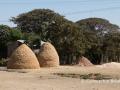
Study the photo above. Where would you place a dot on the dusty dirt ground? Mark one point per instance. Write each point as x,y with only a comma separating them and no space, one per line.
44,79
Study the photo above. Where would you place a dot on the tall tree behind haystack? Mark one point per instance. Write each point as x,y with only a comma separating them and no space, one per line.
96,30
55,28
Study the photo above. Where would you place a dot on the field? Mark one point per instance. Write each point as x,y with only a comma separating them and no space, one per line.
60,78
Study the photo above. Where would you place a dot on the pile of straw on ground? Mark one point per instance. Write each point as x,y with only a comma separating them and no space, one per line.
83,61
109,65
48,56
23,58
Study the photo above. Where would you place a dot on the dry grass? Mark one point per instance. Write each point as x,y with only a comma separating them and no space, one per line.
92,76
44,79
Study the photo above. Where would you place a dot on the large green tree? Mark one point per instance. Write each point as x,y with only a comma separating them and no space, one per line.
51,26
38,21
7,34
4,37
101,26
111,47
95,30
4,34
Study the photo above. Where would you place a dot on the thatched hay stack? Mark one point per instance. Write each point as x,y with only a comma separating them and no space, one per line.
83,61
48,56
23,58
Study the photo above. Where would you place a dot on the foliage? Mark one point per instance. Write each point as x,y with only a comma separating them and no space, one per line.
15,34
4,37
95,38
95,31
7,34
99,25
50,26
3,62
32,39
111,47
4,34
36,20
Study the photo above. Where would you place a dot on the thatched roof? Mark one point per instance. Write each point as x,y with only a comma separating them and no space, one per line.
83,61
23,58
48,56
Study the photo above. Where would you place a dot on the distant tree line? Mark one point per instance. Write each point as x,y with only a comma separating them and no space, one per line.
94,38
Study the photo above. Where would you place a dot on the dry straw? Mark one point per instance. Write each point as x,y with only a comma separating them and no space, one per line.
83,61
48,56
23,58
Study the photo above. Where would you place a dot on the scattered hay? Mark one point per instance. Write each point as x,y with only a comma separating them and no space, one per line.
83,61
23,58
109,65
48,56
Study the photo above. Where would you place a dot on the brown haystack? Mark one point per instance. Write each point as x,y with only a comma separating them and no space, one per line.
83,61
48,56
23,58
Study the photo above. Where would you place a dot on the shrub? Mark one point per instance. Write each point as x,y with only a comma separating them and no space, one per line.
3,62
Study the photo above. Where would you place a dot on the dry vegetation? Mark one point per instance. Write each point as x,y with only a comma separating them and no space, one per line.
48,56
45,78
23,58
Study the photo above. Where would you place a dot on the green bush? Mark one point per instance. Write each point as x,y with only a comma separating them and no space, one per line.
3,62
15,34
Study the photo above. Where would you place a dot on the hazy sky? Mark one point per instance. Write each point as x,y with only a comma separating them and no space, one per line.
72,9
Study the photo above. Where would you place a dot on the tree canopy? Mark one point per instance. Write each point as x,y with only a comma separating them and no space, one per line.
96,31
7,34
4,33
51,26
98,24
95,38
37,20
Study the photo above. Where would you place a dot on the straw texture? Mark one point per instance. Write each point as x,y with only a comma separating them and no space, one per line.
83,61
23,58
48,56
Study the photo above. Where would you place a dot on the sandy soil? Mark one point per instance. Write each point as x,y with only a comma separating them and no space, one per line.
44,79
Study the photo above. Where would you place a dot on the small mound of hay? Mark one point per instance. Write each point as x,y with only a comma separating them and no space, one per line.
83,61
23,58
48,56
109,65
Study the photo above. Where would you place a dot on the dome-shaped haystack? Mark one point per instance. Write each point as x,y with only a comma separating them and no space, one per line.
83,61
23,58
48,56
